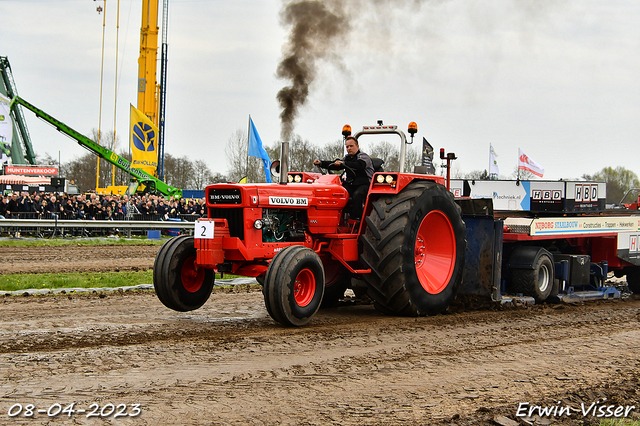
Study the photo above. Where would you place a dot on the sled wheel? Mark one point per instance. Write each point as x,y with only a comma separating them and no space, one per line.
633,279
294,286
179,283
536,282
414,244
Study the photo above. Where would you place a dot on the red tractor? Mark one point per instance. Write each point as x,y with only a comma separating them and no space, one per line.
407,252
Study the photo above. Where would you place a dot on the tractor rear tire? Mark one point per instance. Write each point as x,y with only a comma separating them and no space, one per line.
179,283
294,286
414,245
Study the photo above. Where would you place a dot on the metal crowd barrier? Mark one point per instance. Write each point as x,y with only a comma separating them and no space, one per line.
101,216
40,227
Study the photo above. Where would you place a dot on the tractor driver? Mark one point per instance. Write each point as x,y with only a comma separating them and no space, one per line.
356,180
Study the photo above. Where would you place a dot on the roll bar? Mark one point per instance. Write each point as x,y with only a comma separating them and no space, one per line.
382,129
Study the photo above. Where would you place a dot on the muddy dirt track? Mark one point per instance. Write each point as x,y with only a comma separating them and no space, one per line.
229,363
16,260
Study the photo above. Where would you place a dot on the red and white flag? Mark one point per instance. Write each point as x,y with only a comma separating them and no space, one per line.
526,163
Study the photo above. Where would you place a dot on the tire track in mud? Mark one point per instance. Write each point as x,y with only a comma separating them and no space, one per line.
237,330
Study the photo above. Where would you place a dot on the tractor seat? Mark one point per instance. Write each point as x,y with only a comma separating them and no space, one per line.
377,164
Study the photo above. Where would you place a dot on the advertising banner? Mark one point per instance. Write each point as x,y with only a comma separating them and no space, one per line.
31,170
6,129
144,141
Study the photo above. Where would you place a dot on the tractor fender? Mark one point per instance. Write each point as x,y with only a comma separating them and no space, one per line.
525,257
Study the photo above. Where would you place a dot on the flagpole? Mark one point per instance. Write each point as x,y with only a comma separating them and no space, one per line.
248,142
489,170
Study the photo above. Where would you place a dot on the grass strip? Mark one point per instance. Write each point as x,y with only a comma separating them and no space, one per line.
39,242
16,282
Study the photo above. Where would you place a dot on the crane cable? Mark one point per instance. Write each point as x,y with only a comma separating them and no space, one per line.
104,26
115,102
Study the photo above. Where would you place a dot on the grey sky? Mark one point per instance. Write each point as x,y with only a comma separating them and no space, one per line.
558,79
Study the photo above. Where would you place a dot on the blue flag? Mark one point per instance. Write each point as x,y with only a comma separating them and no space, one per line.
257,150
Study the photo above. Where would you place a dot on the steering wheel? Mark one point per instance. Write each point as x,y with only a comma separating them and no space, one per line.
322,171
349,175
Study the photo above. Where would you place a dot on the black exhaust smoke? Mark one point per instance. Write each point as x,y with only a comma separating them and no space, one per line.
316,26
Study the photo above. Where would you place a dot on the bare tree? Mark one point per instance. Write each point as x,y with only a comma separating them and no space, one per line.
387,152
475,174
202,175
219,178
178,171
236,151
523,174
331,150
83,172
109,173
390,153
413,157
301,153
240,164
618,180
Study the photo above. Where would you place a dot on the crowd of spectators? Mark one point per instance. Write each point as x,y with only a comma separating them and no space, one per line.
92,206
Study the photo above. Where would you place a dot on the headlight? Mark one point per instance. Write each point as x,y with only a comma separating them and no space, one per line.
380,179
297,178
257,224
290,178
389,179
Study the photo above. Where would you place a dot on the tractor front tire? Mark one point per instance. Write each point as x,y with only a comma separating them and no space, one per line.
414,245
294,286
179,283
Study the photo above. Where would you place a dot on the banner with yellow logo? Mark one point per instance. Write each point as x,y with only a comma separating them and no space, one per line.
144,142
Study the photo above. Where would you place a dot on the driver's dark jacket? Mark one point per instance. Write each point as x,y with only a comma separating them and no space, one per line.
360,163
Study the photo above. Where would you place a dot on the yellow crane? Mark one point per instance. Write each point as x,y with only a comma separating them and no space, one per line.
147,62
151,95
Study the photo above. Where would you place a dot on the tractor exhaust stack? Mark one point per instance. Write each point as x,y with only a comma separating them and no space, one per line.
284,163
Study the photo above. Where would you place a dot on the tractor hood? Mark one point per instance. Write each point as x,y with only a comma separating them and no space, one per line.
315,191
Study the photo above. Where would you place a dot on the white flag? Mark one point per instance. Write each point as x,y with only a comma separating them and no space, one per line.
493,162
6,124
526,163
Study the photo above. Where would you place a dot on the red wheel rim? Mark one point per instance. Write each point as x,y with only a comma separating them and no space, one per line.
304,288
192,276
435,252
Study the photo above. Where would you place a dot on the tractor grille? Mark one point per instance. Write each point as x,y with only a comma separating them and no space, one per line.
234,217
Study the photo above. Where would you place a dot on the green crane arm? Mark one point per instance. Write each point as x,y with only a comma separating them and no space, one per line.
6,80
102,152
